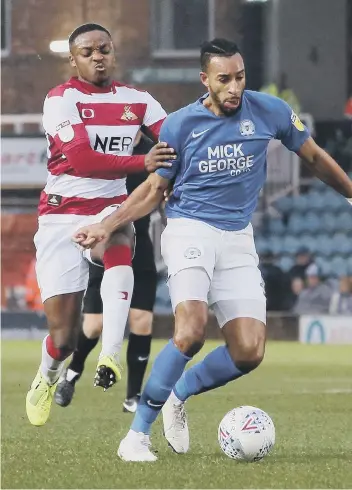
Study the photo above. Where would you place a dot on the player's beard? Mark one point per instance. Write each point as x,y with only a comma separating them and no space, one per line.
225,110
102,79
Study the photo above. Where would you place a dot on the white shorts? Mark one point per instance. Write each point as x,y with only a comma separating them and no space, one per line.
62,266
232,286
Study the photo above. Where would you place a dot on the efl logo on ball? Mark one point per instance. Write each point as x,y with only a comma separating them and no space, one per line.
246,433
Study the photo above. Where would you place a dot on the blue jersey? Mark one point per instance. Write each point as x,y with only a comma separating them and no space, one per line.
221,160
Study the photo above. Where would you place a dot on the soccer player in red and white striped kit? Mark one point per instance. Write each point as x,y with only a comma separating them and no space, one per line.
91,122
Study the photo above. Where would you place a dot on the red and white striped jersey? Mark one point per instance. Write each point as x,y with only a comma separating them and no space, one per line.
91,132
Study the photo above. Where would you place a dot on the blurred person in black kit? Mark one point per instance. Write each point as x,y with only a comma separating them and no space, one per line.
276,284
141,312
303,260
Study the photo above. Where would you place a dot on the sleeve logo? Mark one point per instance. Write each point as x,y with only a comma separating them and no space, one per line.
62,125
65,131
297,122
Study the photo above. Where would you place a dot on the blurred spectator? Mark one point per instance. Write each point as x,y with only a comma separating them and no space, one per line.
276,284
339,146
297,286
16,298
315,298
348,108
303,260
341,300
347,154
33,299
282,90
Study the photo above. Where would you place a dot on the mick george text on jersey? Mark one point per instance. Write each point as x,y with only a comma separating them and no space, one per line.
227,157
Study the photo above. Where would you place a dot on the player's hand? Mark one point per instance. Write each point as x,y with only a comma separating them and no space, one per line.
89,236
159,156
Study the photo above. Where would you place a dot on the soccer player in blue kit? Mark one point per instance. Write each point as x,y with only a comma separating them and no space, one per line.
219,167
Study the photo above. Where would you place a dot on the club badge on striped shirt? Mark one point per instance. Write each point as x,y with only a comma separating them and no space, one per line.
128,115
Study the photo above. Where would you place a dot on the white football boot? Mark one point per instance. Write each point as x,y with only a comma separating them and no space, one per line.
175,424
136,447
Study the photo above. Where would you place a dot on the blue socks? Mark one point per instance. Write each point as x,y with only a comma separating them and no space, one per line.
216,369
167,369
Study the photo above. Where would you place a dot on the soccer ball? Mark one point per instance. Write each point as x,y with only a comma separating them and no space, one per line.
246,433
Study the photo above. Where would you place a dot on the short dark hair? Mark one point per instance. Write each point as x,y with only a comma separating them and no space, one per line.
216,47
86,28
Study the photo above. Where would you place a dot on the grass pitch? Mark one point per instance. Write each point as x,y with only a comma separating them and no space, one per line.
307,390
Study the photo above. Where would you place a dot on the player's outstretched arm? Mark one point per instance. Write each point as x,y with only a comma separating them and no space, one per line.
323,166
87,162
141,202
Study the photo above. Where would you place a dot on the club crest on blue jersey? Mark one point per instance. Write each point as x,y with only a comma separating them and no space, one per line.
247,127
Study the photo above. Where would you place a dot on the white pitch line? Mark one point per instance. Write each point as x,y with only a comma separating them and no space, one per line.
328,391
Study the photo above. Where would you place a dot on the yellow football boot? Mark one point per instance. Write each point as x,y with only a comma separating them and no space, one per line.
39,400
108,372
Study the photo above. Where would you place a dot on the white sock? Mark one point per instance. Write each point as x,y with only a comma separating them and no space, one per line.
50,367
132,433
70,375
116,293
174,400
136,436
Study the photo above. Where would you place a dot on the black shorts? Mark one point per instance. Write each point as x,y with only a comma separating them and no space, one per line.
145,280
